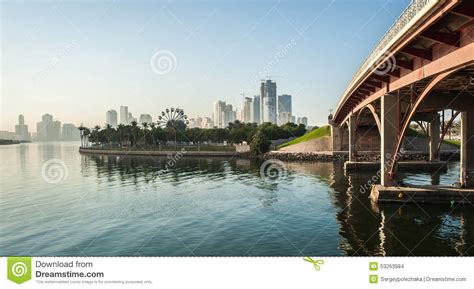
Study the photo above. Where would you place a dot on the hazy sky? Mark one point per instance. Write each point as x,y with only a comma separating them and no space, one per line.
78,59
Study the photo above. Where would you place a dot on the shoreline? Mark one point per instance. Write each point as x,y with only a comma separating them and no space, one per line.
118,152
283,156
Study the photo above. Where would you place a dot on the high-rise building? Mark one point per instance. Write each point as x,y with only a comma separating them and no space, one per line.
207,123
304,120
145,118
47,129
219,107
199,121
247,110
130,118
255,113
21,129
268,92
284,109
111,118
284,118
124,115
70,132
228,115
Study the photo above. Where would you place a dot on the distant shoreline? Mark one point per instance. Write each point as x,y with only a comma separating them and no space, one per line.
10,141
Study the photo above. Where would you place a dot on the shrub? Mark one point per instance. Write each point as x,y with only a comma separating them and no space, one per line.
259,143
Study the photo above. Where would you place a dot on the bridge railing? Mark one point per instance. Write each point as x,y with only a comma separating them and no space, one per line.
415,10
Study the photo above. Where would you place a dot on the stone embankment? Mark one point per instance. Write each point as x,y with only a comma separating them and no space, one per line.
362,156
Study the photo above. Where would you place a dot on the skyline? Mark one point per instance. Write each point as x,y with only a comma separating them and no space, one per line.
123,115
82,59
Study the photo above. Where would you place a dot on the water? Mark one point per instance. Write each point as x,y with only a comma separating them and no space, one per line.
109,206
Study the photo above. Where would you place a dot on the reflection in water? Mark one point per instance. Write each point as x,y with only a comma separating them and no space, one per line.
152,206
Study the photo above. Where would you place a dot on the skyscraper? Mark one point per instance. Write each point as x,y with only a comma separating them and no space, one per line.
247,110
111,118
21,129
219,107
47,129
284,109
124,115
206,122
304,120
229,115
268,92
70,132
145,118
255,113
130,118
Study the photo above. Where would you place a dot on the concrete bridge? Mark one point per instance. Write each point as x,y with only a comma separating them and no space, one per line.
423,66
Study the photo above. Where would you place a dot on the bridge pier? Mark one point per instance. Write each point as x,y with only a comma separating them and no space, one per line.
337,135
467,149
352,138
434,131
388,136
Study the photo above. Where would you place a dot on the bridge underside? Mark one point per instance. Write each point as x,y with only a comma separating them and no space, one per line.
429,71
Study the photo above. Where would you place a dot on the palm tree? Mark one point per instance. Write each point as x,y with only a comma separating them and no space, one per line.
81,130
134,128
109,134
121,132
145,132
153,130
87,133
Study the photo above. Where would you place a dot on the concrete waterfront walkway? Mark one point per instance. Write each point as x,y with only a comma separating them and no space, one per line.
184,153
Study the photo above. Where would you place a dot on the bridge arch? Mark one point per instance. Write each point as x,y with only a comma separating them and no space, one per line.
372,110
411,112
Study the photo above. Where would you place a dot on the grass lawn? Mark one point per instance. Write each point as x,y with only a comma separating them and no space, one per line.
326,131
453,142
315,134
412,132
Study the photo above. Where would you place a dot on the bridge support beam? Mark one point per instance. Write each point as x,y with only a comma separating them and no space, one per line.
390,127
352,138
434,131
467,149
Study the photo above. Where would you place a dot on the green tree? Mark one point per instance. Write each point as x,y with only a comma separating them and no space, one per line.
259,143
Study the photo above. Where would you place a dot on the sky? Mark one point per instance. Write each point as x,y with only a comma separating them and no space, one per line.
78,59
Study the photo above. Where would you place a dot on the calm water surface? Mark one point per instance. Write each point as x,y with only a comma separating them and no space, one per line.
110,206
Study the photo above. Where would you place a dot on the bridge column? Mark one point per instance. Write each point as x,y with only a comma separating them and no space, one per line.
467,149
390,127
434,130
336,135
352,138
